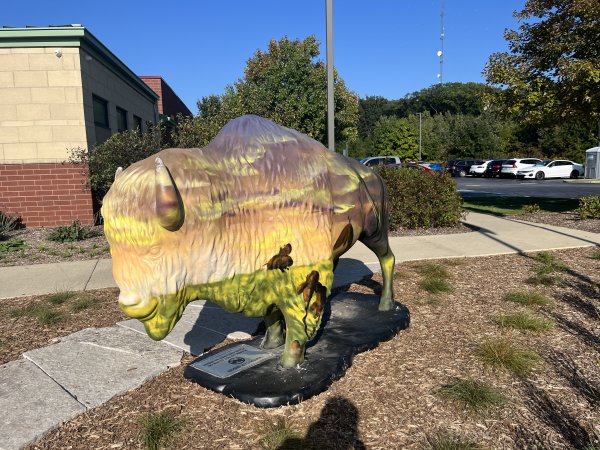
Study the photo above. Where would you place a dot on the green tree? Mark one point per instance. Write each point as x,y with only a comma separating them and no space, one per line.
393,136
552,71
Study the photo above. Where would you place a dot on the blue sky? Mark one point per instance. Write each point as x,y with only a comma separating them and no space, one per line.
382,47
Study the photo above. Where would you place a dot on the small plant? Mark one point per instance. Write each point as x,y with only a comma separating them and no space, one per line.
596,255
503,353
447,441
12,246
435,285
59,298
43,314
589,207
82,303
475,395
433,271
42,248
531,209
524,321
7,224
529,298
550,263
158,428
71,233
274,434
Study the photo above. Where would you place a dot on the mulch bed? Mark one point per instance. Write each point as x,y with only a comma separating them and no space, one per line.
388,398
21,331
39,249
568,219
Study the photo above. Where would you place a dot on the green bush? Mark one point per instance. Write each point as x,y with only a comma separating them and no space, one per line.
7,224
421,199
120,150
71,233
589,207
12,246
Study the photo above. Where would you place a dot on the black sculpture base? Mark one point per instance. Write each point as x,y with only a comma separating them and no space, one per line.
351,324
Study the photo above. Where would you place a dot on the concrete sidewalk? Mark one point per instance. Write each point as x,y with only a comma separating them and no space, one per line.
495,235
55,383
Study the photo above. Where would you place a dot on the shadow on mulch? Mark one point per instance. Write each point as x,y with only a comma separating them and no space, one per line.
336,428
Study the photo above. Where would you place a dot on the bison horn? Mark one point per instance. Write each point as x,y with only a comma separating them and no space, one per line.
169,207
118,172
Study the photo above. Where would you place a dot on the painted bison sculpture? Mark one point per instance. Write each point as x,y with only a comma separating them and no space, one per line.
255,222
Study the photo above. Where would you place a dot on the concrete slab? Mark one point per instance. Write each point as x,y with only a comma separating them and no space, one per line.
31,404
101,276
96,364
184,336
38,279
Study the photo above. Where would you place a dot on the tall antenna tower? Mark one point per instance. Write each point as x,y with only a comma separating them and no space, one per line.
440,52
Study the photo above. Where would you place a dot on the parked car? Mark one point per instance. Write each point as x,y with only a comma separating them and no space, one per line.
379,160
560,168
510,167
478,170
460,167
493,168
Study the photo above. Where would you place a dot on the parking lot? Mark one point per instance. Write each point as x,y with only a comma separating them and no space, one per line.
472,186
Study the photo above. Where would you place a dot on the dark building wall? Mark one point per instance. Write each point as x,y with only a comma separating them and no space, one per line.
169,104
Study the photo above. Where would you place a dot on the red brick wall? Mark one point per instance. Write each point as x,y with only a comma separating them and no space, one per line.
45,194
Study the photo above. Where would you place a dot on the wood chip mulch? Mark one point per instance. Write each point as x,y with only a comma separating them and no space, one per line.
568,219
388,398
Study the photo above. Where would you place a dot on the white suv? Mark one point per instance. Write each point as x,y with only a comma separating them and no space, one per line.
510,167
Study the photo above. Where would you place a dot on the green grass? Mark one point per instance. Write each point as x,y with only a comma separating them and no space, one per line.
529,298
525,322
157,428
12,246
44,314
502,353
474,395
431,270
84,302
501,206
596,255
550,262
435,285
446,441
429,300
59,298
273,434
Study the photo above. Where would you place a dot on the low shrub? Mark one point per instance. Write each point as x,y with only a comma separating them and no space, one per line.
7,224
531,209
421,199
71,233
589,207
12,246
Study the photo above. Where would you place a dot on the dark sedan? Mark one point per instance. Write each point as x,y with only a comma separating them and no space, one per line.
494,168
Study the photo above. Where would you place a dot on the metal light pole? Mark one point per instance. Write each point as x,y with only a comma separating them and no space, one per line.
330,102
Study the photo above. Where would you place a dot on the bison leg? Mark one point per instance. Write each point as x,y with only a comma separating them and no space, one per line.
274,324
381,248
293,354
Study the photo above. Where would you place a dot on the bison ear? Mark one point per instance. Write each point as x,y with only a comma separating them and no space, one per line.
169,207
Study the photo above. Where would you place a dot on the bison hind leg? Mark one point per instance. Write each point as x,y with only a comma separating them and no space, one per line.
275,326
381,248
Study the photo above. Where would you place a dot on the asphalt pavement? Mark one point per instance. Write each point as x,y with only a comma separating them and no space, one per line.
511,187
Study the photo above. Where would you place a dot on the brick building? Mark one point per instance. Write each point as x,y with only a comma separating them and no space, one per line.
60,88
169,104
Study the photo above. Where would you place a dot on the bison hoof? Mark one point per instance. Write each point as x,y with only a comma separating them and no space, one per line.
386,304
292,357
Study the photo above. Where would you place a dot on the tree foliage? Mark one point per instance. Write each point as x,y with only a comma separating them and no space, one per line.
393,136
552,71
287,83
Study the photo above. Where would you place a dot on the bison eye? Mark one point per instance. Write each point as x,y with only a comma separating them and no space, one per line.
154,251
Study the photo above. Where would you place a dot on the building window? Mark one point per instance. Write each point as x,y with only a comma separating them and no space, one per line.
121,119
137,123
100,112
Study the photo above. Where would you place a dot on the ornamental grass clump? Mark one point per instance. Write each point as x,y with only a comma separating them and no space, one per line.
475,395
525,322
442,440
8,224
274,434
528,298
158,428
502,353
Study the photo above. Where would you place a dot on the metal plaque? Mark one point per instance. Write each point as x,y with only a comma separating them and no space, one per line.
231,360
